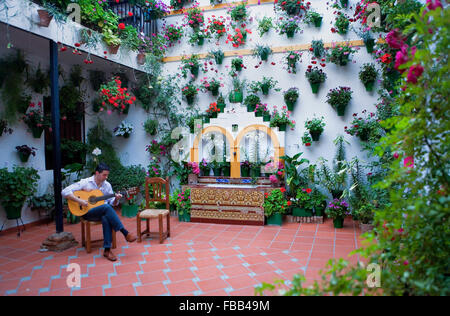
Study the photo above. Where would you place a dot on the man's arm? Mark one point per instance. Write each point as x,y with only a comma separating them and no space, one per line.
68,192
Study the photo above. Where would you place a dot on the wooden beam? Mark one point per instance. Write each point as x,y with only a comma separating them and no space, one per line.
275,50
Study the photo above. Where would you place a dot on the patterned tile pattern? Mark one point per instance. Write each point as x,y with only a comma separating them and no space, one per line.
198,259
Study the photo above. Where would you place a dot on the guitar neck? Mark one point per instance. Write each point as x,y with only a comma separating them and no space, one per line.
105,197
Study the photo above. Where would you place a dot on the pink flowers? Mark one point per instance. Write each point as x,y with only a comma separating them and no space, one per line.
273,179
434,4
414,73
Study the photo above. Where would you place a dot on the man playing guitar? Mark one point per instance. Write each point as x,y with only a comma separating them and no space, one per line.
103,213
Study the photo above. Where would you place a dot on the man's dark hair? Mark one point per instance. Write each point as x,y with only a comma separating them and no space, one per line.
102,167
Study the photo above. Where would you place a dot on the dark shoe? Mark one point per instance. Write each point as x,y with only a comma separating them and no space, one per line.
110,256
130,237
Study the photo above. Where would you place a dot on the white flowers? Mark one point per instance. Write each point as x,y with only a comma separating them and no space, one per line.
97,151
124,129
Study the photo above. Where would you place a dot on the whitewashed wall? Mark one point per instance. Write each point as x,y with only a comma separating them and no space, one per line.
132,151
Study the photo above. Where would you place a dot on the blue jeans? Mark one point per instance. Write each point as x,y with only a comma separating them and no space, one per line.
107,215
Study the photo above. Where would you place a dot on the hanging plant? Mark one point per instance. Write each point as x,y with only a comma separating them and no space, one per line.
315,127
124,129
151,126
199,36
340,54
39,81
238,38
238,12
114,97
315,77
313,17
36,120
317,48
339,98
262,51
173,33
291,60
4,127
212,85
264,25
368,75
218,56
194,17
292,7
191,63
189,91
289,26
217,26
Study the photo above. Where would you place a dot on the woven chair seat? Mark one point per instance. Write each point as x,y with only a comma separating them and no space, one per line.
153,213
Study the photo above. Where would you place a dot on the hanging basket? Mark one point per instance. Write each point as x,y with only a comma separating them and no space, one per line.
290,105
37,131
370,43
318,22
236,97
219,59
315,135
44,18
265,89
23,156
194,71
369,86
190,99
315,87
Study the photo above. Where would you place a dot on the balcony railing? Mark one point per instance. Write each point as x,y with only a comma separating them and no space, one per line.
137,19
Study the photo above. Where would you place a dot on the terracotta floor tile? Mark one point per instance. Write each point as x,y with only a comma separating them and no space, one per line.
153,289
212,284
123,290
235,270
180,275
152,277
208,273
182,287
92,291
240,282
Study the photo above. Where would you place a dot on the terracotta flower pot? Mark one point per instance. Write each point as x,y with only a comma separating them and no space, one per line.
141,58
44,18
113,49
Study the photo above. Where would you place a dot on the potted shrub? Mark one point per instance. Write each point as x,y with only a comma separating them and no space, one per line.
290,97
190,91
315,127
130,207
212,85
251,101
342,23
124,129
112,40
291,59
318,202
313,17
24,152
301,205
192,64
368,76
365,128
339,98
292,7
340,54
337,210
262,51
315,77
45,203
275,205
151,126
281,119
183,206
221,103
15,188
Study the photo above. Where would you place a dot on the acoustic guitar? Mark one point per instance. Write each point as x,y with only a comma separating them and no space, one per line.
94,198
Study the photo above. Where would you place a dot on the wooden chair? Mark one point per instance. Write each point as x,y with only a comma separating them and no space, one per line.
86,240
158,186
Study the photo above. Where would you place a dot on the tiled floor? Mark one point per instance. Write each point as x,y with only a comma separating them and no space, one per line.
198,259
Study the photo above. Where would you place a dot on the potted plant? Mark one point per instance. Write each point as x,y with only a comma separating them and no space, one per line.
151,126
218,56
369,41
251,101
199,36
194,17
365,128
264,25
318,202
292,7
112,40
183,206
245,168
368,76
238,38
275,205
315,127
365,216
190,91
313,17
16,187
301,205
25,151
342,23
340,54
261,111
281,119
192,64
45,202
154,9
124,129
337,210
216,167
268,83
290,97
114,97
317,48
306,139
237,64
315,77
291,59
4,127
221,103
289,26
204,167
217,26
213,110
262,51
339,98
236,94
238,12
173,33
35,119
212,85
130,208
179,4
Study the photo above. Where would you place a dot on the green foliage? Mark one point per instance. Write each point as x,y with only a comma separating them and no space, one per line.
45,202
294,178
275,202
183,202
315,125
16,186
368,73
264,25
151,126
127,177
